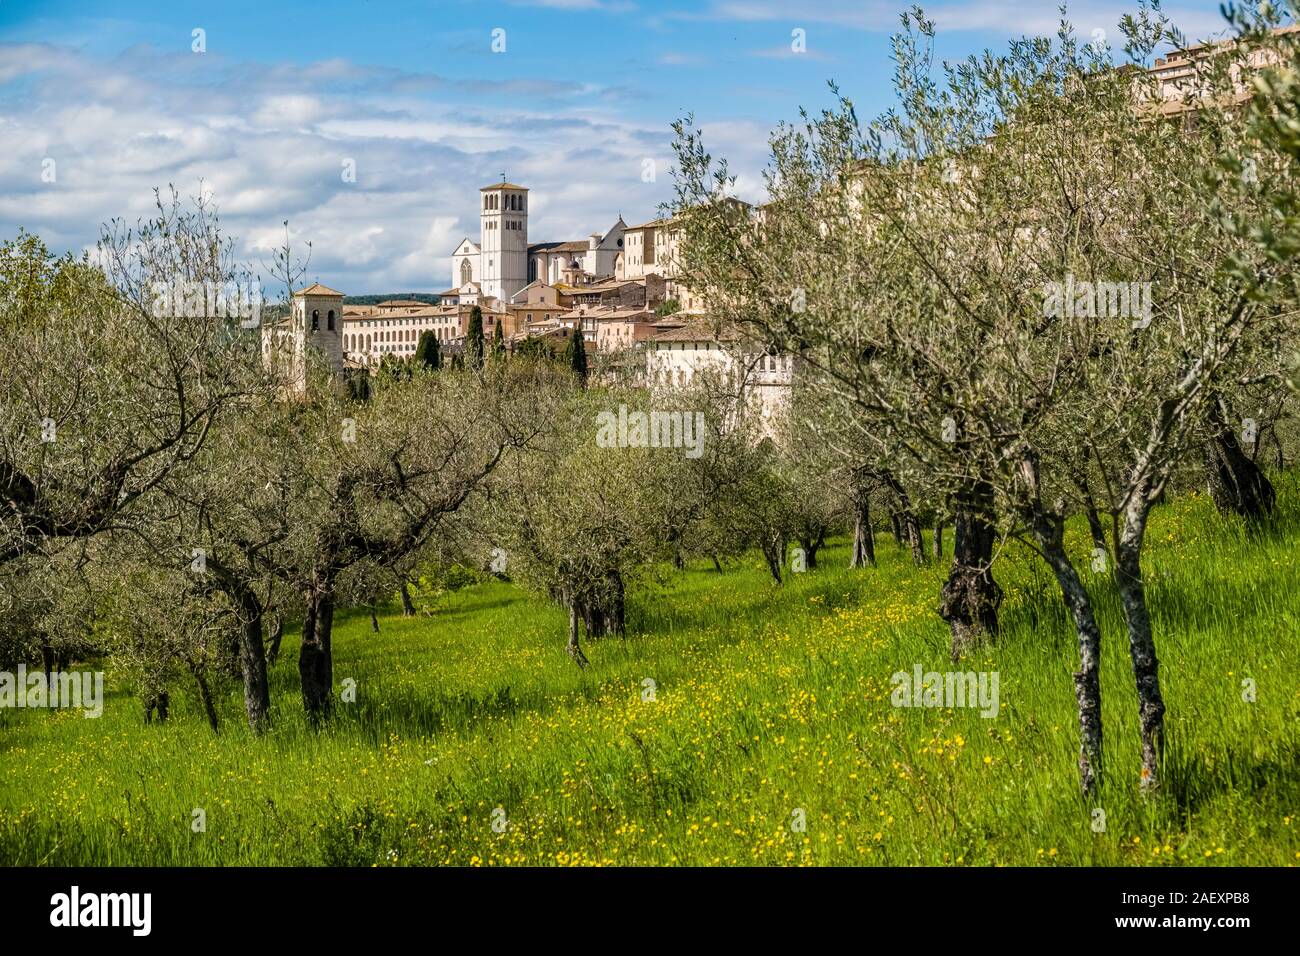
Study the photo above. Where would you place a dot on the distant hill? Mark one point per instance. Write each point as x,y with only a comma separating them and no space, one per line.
425,297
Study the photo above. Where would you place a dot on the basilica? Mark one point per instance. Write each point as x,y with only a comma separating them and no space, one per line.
619,289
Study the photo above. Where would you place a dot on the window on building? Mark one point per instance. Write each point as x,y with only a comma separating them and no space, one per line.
315,320
329,320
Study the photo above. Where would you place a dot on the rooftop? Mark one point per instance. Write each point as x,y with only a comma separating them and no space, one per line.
693,332
317,289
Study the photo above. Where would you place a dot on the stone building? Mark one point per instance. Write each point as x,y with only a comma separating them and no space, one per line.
315,322
674,356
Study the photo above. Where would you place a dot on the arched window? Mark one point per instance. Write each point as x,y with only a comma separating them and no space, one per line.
368,343
466,272
329,320
315,320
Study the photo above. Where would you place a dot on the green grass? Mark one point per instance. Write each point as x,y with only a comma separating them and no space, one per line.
767,701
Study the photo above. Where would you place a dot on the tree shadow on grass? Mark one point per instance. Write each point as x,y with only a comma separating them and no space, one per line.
1190,784
375,718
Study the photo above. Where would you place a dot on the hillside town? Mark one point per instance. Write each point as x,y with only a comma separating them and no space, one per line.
620,290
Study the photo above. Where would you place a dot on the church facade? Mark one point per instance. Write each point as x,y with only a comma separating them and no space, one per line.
502,262
498,263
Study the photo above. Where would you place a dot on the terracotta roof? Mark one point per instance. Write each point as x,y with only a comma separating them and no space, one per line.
317,289
503,185
428,311
622,314
605,284
692,332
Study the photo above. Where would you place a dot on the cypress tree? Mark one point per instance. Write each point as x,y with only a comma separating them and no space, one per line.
427,353
474,339
498,342
578,354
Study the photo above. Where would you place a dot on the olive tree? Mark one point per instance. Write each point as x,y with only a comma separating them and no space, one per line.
1017,284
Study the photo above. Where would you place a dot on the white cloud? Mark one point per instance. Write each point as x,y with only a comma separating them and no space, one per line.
679,59
1011,17
294,111
270,142
789,53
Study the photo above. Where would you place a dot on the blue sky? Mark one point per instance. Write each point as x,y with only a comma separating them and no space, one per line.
414,97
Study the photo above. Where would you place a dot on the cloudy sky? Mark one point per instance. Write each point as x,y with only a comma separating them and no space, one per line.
284,98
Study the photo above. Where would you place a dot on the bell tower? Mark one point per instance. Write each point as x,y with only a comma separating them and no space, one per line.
503,243
314,324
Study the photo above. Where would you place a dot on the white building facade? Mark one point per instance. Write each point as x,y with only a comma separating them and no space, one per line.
498,262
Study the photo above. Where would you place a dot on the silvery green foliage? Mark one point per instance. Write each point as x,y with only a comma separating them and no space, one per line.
932,247
102,395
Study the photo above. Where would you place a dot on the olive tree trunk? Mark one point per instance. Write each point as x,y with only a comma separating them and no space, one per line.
250,649
773,546
315,656
573,647
864,541
604,610
252,666
159,703
1236,483
1048,529
907,525
811,541
277,636
1142,648
970,597
205,696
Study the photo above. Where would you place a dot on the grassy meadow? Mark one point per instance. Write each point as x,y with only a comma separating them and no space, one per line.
474,740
